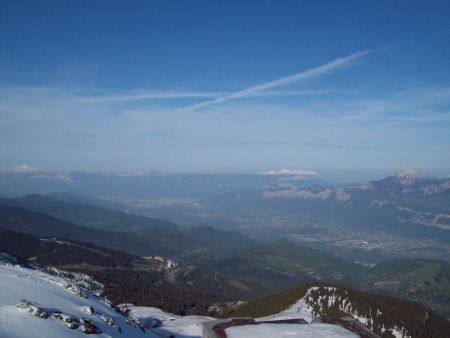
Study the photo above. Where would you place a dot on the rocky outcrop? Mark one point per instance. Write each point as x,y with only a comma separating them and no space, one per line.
71,322
89,327
89,310
29,307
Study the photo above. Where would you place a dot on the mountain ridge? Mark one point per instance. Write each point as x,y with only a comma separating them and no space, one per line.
146,241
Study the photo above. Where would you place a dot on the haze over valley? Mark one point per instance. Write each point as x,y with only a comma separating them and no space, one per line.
402,215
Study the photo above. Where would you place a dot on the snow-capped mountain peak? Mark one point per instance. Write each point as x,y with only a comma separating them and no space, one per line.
407,177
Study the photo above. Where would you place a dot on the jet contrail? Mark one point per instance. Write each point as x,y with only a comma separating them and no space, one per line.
307,74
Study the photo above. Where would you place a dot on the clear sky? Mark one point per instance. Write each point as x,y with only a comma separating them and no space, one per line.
225,86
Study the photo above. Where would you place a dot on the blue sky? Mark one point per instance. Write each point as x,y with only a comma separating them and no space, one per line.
225,86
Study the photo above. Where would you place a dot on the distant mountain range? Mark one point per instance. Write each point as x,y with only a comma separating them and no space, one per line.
403,198
403,214
24,180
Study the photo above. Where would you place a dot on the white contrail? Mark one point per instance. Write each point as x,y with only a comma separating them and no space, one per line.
144,96
307,74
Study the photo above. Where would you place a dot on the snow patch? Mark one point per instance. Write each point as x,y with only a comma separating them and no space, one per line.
315,330
300,309
165,324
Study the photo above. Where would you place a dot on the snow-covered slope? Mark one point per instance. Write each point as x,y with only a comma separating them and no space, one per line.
318,300
51,303
37,304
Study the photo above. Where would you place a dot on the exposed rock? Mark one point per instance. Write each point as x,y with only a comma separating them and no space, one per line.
89,310
57,316
76,290
89,327
29,307
70,321
435,188
107,320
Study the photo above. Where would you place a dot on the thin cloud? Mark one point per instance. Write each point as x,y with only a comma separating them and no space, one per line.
61,94
147,96
290,172
305,75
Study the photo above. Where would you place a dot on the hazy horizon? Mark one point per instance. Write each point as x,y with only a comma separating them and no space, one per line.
328,175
